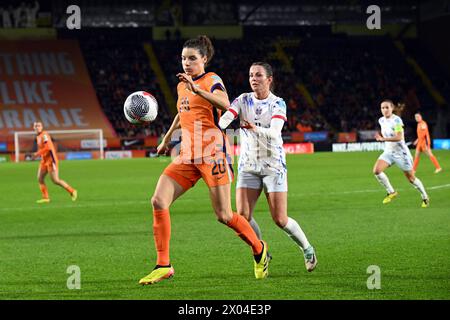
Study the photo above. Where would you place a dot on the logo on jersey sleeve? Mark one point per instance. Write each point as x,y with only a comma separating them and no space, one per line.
279,110
281,104
216,79
217,83
280,107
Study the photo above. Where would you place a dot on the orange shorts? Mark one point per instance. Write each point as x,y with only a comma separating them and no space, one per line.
215,171
422,146
48,166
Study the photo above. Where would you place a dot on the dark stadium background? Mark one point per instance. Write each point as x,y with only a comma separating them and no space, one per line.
329,67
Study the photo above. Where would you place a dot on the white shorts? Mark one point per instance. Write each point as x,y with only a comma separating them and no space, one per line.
276,182
402,159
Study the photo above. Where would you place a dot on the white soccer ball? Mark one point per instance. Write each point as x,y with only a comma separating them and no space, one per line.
140,107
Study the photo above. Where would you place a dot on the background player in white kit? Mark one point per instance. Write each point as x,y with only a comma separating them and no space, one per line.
262,162
395,151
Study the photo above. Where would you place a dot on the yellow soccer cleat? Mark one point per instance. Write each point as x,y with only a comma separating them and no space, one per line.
438,170
74,195
390,197
157,275
44,200
262,267
425,203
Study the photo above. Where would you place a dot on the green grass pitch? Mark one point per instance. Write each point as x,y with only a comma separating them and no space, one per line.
334,196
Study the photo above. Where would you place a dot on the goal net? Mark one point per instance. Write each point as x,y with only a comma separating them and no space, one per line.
69,144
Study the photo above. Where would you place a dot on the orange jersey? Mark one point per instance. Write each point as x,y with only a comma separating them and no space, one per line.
198,116
422,133
46,149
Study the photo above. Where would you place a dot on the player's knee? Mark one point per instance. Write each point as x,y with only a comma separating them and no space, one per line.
376,171
280,221
158,203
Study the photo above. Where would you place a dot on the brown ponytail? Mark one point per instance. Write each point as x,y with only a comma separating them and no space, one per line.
203,44
396,108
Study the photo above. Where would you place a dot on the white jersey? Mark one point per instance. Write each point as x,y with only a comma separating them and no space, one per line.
260,154
389,127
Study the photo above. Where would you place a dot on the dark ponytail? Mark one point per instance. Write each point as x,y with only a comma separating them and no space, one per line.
203,44
397,108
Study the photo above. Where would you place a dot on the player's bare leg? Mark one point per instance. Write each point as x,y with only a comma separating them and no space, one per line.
221,202
278,209
166,192
378,171
419,186
246,199
41,179
56,180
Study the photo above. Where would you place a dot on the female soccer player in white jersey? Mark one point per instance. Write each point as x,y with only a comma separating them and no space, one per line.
262,162
395,151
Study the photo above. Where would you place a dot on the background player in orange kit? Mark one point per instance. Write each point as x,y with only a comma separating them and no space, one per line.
49,164
423,143
201,98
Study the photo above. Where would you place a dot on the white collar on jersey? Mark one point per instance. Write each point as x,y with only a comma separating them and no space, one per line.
261,100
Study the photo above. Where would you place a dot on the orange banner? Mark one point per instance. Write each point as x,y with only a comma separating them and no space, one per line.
47,81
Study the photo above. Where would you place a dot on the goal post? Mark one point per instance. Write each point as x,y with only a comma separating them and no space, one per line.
64,140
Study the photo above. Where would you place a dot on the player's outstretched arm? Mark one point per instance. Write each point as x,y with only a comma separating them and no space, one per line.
166,140
276,125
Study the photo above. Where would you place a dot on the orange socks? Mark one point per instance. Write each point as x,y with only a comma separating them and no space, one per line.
69,189
243,229
432,158
416,163
161,234
44,190
435,162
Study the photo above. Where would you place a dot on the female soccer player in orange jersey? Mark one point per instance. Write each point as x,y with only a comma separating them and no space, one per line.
423,143
49,164
201,98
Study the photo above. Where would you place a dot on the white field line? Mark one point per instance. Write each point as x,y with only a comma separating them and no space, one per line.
130,203
366,191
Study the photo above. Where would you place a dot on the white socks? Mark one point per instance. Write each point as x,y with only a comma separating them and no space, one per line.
419,186
293,230
256,228
384,181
